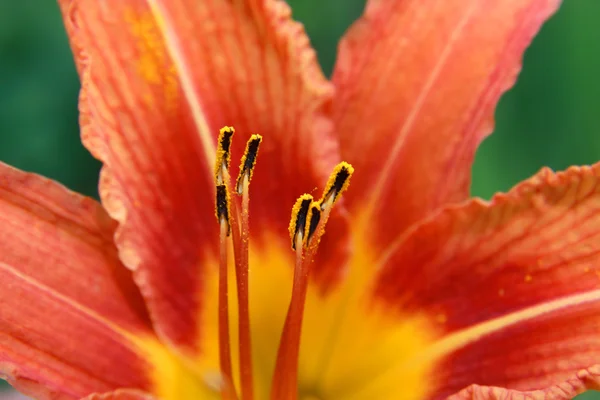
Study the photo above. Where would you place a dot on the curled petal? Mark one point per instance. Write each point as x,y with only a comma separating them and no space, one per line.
68,308
417,83
525,351
583,380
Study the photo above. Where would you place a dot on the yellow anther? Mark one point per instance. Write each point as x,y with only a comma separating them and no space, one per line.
336,184
223,145
248,162
222,207
299,217
313,218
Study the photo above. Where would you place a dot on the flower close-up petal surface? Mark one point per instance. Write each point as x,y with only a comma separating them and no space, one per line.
345,259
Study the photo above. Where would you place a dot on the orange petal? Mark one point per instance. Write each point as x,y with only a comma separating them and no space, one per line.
514,284
67,305
159,80
579,383
416,88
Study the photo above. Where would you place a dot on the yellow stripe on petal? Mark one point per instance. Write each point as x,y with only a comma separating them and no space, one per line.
152,61
182,68
459,339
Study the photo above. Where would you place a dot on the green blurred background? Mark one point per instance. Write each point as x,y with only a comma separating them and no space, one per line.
551,117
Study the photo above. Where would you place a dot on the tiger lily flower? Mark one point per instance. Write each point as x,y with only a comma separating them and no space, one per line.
404,289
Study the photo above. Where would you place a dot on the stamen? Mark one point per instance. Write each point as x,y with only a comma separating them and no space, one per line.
248,161
299,217
222,210
336,184
222,207
242,187
306,231
314,218
285,378
223,157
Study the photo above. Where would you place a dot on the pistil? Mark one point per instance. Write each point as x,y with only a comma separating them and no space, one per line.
223,212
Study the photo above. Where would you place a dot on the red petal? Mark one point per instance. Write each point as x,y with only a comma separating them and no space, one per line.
154,97
66,304
579,383
515,283
416,88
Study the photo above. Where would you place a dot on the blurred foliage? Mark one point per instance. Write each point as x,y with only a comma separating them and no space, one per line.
589,395
38,96
549,118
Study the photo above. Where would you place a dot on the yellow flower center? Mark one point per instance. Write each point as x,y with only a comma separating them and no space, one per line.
281,338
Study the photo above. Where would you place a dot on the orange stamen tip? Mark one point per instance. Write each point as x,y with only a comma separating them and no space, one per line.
223,146
248,162
338,182
299,217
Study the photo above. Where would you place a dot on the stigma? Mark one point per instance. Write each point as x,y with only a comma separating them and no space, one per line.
307,225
